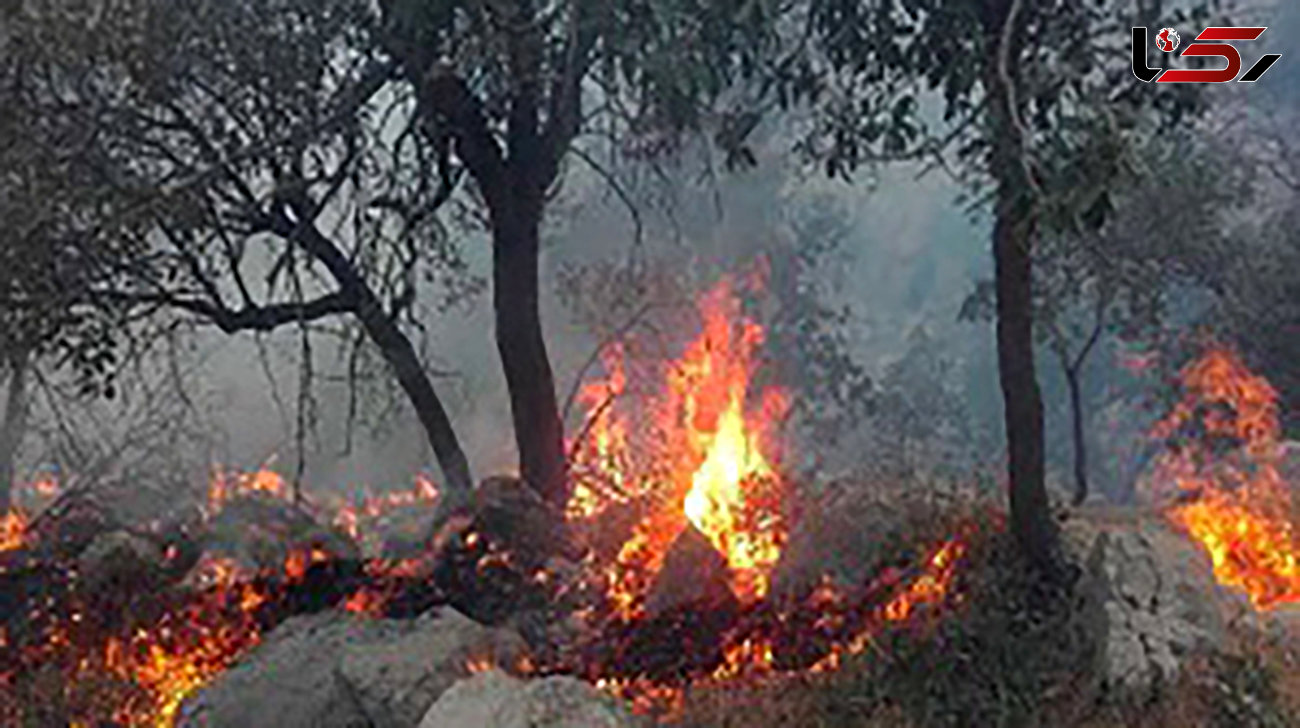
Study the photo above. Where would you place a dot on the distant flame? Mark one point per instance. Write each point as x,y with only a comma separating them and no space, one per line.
13,529
27,498
225,485
1238,507
208,629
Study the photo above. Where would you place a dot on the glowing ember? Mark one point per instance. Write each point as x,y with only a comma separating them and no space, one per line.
1236,505
476,665
13,530
224,486
930,588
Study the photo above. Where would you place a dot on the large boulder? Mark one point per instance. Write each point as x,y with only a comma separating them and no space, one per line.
495,700
336,670
259,532
1150,599
290,681
395,681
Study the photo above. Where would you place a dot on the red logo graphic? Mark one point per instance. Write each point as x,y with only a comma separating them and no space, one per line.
1167,40
1210,42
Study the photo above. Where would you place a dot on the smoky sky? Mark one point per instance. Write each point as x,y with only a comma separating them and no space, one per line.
910,259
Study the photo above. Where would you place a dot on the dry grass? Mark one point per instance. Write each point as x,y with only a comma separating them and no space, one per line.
816,701
983,667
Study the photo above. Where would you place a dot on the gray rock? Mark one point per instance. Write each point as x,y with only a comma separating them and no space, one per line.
396,681
1150,602
289,681
258,532
118,559
694,575
496,700
336,670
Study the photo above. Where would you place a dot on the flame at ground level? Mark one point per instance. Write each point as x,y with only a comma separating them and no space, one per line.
699,453
138,669
694,451
1235,505
847,627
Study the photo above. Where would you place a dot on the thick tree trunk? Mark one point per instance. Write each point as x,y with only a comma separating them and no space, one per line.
524,359
1031,518
1022,402
1077,433
11,430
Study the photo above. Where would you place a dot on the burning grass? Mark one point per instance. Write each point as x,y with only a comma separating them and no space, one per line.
1225,466
131,651
699,455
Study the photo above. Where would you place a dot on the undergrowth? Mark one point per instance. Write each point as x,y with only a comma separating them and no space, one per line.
1014,651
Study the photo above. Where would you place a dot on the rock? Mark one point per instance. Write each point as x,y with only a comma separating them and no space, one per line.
290,680
336,670
395,682
488,562
496,700
259,532
404,532
693,576
1150,601
120,561
509,511
688,611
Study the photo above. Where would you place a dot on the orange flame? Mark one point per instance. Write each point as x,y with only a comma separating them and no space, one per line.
225,485
698,456
1237,506
14,523
932,587
13,530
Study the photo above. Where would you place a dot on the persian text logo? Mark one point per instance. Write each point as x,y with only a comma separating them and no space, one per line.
1210,42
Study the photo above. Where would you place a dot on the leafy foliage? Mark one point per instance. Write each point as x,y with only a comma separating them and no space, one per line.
809,336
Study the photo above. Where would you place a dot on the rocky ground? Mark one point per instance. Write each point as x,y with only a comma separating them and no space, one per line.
1147,596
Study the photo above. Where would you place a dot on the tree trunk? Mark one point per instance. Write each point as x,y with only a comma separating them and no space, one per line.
13,427
400,355
1077,433
529,380
1022,402
1031,518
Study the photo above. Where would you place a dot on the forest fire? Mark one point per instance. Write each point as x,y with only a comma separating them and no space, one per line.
13,529
1226,468
700,455
182,640
696,456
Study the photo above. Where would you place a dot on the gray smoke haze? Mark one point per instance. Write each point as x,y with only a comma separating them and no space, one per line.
911,258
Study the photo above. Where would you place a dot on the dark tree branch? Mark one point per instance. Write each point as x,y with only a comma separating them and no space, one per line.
564,116
461,117
263,318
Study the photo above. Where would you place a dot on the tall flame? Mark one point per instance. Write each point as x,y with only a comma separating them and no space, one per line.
1236,505
697,452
